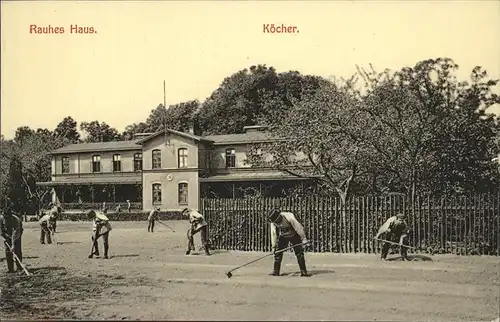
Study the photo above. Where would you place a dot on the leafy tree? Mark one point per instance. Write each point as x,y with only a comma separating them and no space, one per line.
180,117
15,197
6,149
290,87
318,137
156,119
252,96
22,133
68,128
32,149
238,100
134,128
423,125
99,132
467,142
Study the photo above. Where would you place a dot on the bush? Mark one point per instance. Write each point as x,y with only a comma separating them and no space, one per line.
124,216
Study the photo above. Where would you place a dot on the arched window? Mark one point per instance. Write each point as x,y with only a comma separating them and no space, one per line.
182,158
156,193
156,158
183,193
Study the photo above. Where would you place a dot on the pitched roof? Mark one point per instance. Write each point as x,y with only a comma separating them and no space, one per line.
98,147
91,181
250,176
183,134
242,138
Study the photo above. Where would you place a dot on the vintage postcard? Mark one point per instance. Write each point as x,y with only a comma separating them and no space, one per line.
250,160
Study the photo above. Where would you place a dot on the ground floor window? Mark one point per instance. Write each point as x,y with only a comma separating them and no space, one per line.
268,189
156,193
183,193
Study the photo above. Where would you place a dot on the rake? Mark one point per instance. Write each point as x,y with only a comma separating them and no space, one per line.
393,243
167,226
17,258
230,274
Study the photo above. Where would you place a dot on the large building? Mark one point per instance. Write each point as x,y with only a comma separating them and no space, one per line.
168,169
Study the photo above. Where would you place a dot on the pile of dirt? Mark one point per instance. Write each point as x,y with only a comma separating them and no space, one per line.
40,295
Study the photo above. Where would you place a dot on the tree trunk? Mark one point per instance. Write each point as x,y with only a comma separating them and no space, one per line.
343,233
413,185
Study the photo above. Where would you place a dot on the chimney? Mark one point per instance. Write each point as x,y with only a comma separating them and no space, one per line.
138,136
254,128
191,129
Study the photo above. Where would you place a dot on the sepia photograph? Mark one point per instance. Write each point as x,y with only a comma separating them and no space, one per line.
250,160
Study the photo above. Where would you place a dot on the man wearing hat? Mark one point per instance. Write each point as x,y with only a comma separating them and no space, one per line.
101,228
47,223
54,211
153,216
285,230
11,229
198,224
395,230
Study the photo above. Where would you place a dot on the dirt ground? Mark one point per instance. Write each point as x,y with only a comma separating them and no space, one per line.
149,277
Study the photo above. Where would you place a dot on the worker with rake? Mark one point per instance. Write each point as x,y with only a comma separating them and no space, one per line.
101,228
47,223
197,224
395,231
153,216
54,211
11,228
286,229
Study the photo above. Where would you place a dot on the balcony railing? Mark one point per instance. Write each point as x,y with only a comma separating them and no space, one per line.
111,206
99,174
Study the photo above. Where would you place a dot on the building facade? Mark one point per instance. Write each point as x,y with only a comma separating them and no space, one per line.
168,169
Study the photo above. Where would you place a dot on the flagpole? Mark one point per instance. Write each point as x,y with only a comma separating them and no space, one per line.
165,114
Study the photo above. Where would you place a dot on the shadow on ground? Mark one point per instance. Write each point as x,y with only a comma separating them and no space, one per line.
125,255
69,242
45,270
322,272
40,295
26,257
219,251
421,258
312,273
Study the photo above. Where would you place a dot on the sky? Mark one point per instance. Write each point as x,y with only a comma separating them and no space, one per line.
116,74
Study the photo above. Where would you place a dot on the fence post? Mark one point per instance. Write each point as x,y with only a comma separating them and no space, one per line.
497,224
349,226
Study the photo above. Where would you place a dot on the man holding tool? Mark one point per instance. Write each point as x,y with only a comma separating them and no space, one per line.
101,228
54,211
285,229
46,228
395,230
198,224
11,229
153,216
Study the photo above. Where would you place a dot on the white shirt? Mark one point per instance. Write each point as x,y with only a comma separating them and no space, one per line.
299,229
